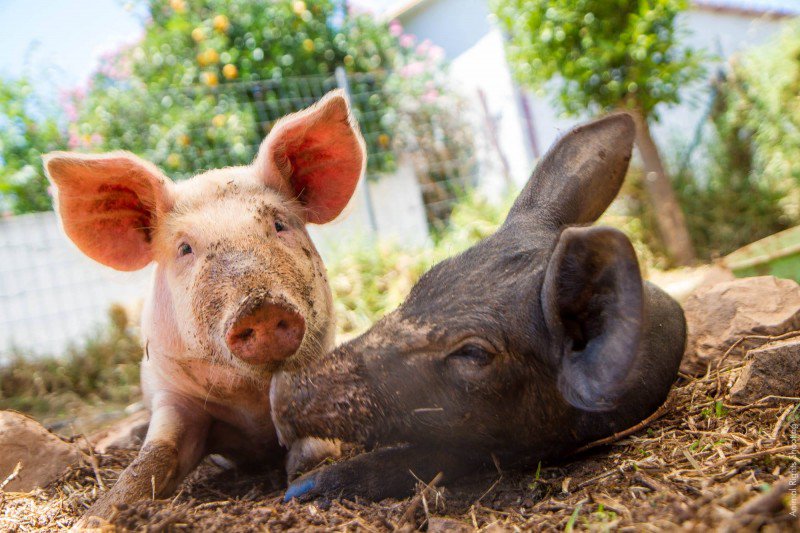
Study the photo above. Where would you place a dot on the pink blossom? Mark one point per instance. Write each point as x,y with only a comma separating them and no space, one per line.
70,111
436,53
78,93
74,140
407,40
430,96
423,47
412,69
395,28
96,139
51,191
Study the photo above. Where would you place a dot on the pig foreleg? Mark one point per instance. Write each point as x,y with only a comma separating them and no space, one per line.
175,444
308,453
384,473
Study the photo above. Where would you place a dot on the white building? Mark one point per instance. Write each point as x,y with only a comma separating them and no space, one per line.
528,124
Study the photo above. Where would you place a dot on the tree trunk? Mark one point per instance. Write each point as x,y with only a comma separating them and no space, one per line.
668,214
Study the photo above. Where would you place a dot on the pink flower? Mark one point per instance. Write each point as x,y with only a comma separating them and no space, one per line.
51,191
412,69
96,139
407,40
423,47
395,28
430,96
436,53
74,140
70,111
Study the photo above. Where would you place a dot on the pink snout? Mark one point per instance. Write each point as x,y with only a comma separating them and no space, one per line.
270,331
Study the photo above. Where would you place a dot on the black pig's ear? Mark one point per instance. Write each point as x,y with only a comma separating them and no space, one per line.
592,299
580,175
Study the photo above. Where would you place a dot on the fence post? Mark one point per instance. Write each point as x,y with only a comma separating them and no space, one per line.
343,83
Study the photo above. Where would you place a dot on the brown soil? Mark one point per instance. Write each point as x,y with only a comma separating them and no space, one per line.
704,464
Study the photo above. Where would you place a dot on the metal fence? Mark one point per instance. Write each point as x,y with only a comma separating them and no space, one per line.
51,295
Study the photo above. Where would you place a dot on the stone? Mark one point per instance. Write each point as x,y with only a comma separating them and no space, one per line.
42,455
773,370
720,315
126,433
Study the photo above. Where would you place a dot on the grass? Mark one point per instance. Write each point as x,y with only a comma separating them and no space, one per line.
103,370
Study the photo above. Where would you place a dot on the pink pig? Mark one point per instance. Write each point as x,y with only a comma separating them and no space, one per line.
238,292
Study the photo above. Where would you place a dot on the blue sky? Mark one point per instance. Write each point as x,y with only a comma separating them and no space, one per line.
57,42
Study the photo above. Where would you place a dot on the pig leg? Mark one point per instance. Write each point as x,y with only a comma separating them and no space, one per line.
384,473
308,453
175,443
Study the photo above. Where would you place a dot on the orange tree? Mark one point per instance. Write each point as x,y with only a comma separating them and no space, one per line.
602,55
210,76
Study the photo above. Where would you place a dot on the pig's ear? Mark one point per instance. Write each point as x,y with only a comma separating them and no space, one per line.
580,175
109,204
315,156
592,299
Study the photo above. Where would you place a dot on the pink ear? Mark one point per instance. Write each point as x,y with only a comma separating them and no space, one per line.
317,156
109,204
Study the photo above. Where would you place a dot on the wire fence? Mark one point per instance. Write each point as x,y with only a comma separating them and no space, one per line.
418,165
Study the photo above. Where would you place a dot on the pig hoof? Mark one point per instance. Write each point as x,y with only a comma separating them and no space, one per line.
302,488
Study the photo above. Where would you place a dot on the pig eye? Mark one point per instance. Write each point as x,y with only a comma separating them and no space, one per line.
279,226
184,249
472,354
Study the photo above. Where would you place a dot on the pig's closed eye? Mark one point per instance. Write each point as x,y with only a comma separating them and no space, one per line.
471,354
279,226
184,249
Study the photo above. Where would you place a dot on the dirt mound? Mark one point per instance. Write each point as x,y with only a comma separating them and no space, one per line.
705,464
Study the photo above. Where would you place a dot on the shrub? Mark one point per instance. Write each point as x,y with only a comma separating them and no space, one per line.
27,129
103,369
742,184
209,79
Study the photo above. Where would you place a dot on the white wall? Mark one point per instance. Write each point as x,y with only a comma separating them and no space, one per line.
50,293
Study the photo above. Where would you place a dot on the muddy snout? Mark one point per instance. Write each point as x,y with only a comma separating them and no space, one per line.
265,329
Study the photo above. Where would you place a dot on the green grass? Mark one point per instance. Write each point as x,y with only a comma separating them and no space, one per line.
104,369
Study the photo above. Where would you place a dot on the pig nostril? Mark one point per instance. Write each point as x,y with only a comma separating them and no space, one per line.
282,324
244,335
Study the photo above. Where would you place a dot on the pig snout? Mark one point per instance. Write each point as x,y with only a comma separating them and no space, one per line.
265,330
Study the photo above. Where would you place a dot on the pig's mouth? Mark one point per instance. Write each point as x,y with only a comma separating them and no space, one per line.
330,400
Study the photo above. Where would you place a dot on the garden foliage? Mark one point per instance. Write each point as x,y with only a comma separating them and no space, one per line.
744,182
27,130
208,79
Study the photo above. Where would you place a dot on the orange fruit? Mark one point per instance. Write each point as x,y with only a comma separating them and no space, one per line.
230,71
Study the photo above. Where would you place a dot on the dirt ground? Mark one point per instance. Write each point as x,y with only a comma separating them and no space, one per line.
703,465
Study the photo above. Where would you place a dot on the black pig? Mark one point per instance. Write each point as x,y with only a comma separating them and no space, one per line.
532,343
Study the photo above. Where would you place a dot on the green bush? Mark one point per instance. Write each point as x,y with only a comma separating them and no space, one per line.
27,129
103,369
743,183
209,79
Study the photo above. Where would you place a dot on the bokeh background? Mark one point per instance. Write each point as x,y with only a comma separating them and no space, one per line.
457,99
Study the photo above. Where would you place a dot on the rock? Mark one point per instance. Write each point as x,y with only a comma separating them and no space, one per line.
682,283
128,432
720,315
43,455
441,525
773,370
